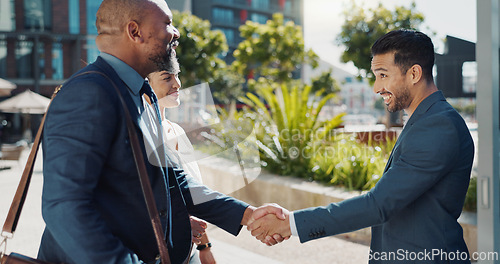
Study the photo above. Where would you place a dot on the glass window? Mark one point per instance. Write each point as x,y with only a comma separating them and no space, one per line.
38,15
41,60
74,16
221,15
260,4
92,6
57,61
92,51
229,34
469,76
24,59
3,59
288,6
259,18
7,15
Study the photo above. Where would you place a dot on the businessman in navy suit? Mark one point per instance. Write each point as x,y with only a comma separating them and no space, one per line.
413,209
92,200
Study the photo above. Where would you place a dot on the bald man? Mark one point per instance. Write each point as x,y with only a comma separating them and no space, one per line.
92,202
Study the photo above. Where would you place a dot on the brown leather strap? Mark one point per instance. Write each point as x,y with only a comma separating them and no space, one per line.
22,189
143,176
20,196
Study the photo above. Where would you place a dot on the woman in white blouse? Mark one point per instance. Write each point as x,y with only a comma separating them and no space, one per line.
166,87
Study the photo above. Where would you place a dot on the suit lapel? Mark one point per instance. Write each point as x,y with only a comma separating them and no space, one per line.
149,142
108,70
419,112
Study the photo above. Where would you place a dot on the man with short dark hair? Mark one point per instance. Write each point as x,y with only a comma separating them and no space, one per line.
414,207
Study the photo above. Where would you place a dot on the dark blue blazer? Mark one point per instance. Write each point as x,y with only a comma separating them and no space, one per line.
416,203
92,202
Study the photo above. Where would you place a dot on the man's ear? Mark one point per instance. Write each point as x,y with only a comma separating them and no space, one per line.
133,32
415,73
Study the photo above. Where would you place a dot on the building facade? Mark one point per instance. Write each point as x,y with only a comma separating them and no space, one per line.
43,42
229,15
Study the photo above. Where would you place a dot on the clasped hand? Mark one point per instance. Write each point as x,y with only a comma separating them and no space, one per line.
270,224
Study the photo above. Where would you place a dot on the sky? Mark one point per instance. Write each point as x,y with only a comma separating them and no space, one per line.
323,20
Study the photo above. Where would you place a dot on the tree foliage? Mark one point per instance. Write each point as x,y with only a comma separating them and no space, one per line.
363,27
273,50
326,82
199,54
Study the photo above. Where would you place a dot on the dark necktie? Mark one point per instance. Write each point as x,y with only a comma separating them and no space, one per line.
147,90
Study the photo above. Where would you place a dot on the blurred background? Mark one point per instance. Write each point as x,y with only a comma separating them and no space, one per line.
297,71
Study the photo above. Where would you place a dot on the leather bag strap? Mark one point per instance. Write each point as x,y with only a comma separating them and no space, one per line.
20,196
143,176
16,207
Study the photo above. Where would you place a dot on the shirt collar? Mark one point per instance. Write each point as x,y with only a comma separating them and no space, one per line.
425,105
128,75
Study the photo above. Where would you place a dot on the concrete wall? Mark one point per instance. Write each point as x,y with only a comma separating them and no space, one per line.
294,193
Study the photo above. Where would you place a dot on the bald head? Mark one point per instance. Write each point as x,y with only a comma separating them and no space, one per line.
138,32
113,15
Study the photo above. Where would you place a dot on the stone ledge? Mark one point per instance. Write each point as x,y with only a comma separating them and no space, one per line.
293,193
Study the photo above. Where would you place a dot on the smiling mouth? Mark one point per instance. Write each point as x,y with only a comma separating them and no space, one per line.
174,44
387,97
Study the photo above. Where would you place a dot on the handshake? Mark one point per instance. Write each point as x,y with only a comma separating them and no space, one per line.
270,224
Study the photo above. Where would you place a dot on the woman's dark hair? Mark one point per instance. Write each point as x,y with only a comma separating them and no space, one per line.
411,47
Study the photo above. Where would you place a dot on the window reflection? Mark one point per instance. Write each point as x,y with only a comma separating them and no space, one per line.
222,15
7,15
259,18
24,50
38,15
92,7
74,16
3,59
57,61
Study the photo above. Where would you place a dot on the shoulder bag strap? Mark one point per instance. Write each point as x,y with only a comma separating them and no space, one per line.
20,196
143,176
22,189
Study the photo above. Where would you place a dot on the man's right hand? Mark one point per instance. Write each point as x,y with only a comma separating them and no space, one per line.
270,224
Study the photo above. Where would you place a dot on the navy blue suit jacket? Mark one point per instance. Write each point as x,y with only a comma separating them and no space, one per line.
92,202
416,203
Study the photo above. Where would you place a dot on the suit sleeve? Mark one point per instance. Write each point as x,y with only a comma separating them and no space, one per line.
217,208
427,154
79,129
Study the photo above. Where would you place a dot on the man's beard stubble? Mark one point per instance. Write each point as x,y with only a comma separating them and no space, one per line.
167,61
401,100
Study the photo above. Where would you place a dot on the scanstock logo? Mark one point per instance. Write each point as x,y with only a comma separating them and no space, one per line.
225,150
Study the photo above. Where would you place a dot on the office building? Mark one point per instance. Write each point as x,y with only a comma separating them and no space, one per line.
229,15
43,42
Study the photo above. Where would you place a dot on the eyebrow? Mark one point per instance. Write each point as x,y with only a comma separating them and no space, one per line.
380,69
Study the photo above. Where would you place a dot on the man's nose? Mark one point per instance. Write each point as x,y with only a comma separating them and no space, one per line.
176,34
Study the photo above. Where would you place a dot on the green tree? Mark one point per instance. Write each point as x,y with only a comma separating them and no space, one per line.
273,50
227,86
199,53
363,27
326,82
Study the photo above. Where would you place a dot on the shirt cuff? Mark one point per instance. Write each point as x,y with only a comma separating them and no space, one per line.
293,227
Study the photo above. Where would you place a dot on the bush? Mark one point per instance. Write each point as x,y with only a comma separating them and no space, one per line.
470,203
287,125
346,162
